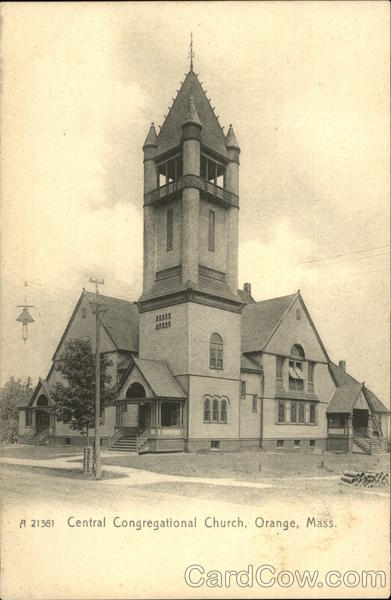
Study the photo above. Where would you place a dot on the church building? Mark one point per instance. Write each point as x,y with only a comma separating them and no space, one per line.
200,364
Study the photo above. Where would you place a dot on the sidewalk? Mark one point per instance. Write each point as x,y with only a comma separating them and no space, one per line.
130,476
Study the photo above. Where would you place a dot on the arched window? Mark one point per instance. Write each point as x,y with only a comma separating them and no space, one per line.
206,410
136,390
216,351
215,412
297,351
296,377
223,414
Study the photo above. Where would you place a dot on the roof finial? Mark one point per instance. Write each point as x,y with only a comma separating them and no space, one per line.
191,53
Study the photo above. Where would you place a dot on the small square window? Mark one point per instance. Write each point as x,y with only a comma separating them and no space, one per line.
215,444
67,441
312,444
296,443
280,443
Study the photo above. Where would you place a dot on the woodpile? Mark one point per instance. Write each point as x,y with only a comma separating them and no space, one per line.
369,479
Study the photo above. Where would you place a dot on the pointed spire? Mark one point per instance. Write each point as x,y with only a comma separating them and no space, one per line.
191,53
192,114
230,140
151,139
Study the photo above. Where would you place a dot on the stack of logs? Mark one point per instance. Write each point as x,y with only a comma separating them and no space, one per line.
370,479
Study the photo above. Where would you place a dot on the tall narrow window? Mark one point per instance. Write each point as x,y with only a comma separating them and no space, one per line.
223,414
206,410
242,389
211,237
293,412
215,411
216,351
311,366
279,364
255,403
281,412
312,413
170,229
301,412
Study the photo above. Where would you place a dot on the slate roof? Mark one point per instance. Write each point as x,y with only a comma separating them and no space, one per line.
344,398
212,134
121,321
159,378
260,319
342,378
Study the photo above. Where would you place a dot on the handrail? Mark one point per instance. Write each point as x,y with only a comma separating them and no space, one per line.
141,439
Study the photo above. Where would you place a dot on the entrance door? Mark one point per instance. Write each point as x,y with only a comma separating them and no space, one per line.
42,420
360,422
144,417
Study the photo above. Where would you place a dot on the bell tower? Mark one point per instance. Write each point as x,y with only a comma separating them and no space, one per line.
191,206
190,309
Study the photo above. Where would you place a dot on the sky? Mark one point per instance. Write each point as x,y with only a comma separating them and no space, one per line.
306,87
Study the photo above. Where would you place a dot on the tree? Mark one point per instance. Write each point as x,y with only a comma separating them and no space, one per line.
75,401
14,393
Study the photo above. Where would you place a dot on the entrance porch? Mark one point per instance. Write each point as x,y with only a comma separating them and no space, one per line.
149,425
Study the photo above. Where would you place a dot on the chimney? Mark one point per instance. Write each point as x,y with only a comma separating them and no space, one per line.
247,288
342,365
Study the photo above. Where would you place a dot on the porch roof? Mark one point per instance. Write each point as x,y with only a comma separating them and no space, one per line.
344,398
158,376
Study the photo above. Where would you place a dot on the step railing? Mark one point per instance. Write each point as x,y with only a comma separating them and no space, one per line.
141,441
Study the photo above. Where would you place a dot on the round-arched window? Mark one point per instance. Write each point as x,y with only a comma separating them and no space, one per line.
216,351
297,351
223,411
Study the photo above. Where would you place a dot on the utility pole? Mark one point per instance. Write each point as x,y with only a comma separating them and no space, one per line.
98,310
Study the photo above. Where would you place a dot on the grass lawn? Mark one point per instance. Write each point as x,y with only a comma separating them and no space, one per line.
37,452
76,473
251,465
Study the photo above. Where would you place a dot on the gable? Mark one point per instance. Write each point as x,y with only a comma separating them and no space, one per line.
42,389
134,375
82,326
361,403
155,376
260,319
292,330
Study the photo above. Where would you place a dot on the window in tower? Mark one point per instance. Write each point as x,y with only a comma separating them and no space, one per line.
216,351
170,229
170,170
212,170
211,236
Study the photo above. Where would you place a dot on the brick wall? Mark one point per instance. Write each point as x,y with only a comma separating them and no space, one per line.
217,259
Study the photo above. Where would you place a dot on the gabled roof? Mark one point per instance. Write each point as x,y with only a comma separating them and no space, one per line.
212,134
344,398
260,319
45,387
121,321
158,376
342,378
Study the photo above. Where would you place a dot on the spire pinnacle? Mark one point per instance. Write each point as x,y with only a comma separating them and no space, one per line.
191,53
192,114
